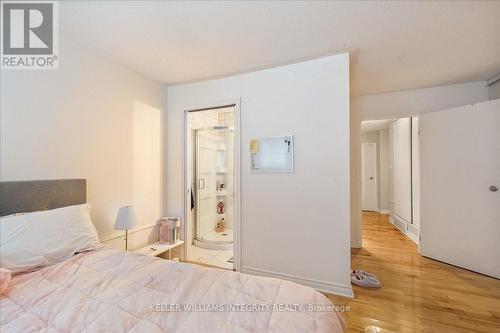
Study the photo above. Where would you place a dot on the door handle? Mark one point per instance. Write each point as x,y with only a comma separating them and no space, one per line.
371,178
493,188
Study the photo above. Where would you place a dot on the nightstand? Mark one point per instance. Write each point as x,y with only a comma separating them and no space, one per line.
157,248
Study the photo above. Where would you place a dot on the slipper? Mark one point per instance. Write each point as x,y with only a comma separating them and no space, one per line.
360,272
364,279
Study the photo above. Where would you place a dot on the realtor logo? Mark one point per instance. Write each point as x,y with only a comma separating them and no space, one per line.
29,35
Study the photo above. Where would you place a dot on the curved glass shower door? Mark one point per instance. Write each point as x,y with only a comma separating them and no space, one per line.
214,187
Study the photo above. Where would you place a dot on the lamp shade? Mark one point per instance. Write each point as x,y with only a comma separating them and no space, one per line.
126,218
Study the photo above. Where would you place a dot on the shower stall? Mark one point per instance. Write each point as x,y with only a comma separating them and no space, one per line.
214,187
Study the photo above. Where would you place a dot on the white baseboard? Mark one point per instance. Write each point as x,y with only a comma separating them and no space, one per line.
356,243
413,237
327,287
406,228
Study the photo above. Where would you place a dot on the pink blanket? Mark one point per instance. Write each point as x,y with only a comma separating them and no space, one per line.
114,291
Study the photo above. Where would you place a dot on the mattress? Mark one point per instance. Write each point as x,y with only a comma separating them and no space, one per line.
110,290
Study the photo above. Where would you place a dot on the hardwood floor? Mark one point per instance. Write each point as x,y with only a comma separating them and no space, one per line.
417,294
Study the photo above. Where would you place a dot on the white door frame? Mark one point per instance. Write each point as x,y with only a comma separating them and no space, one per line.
359,199
237,173
363,181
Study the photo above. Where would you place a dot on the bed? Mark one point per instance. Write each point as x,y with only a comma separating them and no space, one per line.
108,290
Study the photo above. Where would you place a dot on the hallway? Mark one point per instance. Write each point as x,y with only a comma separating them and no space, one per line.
417,294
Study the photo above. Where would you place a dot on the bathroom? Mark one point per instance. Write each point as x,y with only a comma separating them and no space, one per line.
210,211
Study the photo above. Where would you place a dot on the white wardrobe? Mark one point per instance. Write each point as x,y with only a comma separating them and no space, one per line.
404,169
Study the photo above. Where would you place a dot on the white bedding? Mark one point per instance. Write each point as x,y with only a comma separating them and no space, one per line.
110,290
37,239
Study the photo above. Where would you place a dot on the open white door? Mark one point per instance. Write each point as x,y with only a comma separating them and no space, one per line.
460,169
369,176
207,141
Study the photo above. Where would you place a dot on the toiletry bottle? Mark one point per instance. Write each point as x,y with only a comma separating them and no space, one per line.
222,225
164,232
220,208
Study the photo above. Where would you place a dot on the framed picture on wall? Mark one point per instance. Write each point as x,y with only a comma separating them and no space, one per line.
272,154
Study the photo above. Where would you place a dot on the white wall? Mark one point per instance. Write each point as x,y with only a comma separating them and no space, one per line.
399,104
355,177
89,119
296,225
495,90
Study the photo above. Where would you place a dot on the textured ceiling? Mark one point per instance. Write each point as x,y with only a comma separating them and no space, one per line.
394,45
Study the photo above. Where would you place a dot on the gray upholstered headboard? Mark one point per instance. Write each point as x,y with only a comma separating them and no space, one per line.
35,195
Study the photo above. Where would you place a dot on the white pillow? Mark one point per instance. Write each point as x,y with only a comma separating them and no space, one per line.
44,238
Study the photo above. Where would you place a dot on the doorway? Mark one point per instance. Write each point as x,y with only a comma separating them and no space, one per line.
390,177
211,172
369,176
444,184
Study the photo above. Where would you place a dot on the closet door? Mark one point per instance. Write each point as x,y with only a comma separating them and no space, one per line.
415,171
402,169
460,181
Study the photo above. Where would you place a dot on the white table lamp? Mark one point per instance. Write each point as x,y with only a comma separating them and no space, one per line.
125,220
